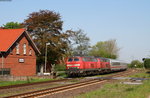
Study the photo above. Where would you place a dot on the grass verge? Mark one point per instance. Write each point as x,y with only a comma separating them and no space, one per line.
6,83
119,90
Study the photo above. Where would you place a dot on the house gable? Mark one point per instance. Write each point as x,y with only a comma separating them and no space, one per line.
21,41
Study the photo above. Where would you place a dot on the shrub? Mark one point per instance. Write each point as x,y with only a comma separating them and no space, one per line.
135,64
60,67
147,63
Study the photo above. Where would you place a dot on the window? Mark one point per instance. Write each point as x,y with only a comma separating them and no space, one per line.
70,60
4,71
115,63
30,52
86,59
76,59
94,60
24,48
73,59
17,48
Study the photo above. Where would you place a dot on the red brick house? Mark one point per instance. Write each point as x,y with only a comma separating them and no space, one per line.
17,53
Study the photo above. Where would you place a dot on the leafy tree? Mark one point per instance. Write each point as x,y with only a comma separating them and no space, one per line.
136,64
79,42
12,25
46,27
107,49
147,63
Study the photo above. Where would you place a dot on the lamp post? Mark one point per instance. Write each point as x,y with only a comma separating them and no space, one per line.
46,55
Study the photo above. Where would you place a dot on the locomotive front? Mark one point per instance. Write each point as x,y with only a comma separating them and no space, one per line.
74,65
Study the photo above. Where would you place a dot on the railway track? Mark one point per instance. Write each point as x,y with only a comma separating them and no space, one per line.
29,84
55,90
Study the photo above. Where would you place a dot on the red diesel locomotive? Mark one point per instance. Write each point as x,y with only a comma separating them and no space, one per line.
90,65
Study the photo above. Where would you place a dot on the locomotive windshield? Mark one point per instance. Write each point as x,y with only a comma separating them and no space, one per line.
76,59
70,59
73,59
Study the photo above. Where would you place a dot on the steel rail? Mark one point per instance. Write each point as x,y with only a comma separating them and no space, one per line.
29,84
51,90
64,88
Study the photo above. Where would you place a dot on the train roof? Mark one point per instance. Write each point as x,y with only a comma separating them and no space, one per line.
83,56
116,60
111,60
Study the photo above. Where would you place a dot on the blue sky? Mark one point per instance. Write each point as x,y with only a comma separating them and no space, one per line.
127,21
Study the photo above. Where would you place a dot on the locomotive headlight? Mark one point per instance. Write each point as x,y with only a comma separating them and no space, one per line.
76,64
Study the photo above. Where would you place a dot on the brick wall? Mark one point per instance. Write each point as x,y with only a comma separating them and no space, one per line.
20,64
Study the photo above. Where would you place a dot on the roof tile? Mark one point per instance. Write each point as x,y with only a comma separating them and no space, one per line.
8,37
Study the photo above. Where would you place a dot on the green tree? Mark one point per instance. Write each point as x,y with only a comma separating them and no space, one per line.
136,64
46,27
147,63
107,49
12,25
79,42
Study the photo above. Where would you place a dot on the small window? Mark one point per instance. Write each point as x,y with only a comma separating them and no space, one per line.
24,48
30,52
116,63
4,71
76,59
70,60
102,60
92,59
17,48
95,60
85,59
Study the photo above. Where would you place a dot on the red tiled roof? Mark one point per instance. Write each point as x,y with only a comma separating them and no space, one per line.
8,37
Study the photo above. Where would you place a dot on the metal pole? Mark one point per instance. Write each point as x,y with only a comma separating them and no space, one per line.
2,64
143,65
45,57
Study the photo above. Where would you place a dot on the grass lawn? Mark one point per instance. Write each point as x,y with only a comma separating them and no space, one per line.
141,75
119,90
6,83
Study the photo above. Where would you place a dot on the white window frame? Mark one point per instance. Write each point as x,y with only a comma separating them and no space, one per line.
30,52
24,48
17,48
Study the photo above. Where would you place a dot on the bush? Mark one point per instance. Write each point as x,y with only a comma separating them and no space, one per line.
60,67
147,63
135,64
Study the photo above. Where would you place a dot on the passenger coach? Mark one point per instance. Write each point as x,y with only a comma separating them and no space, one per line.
116,65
